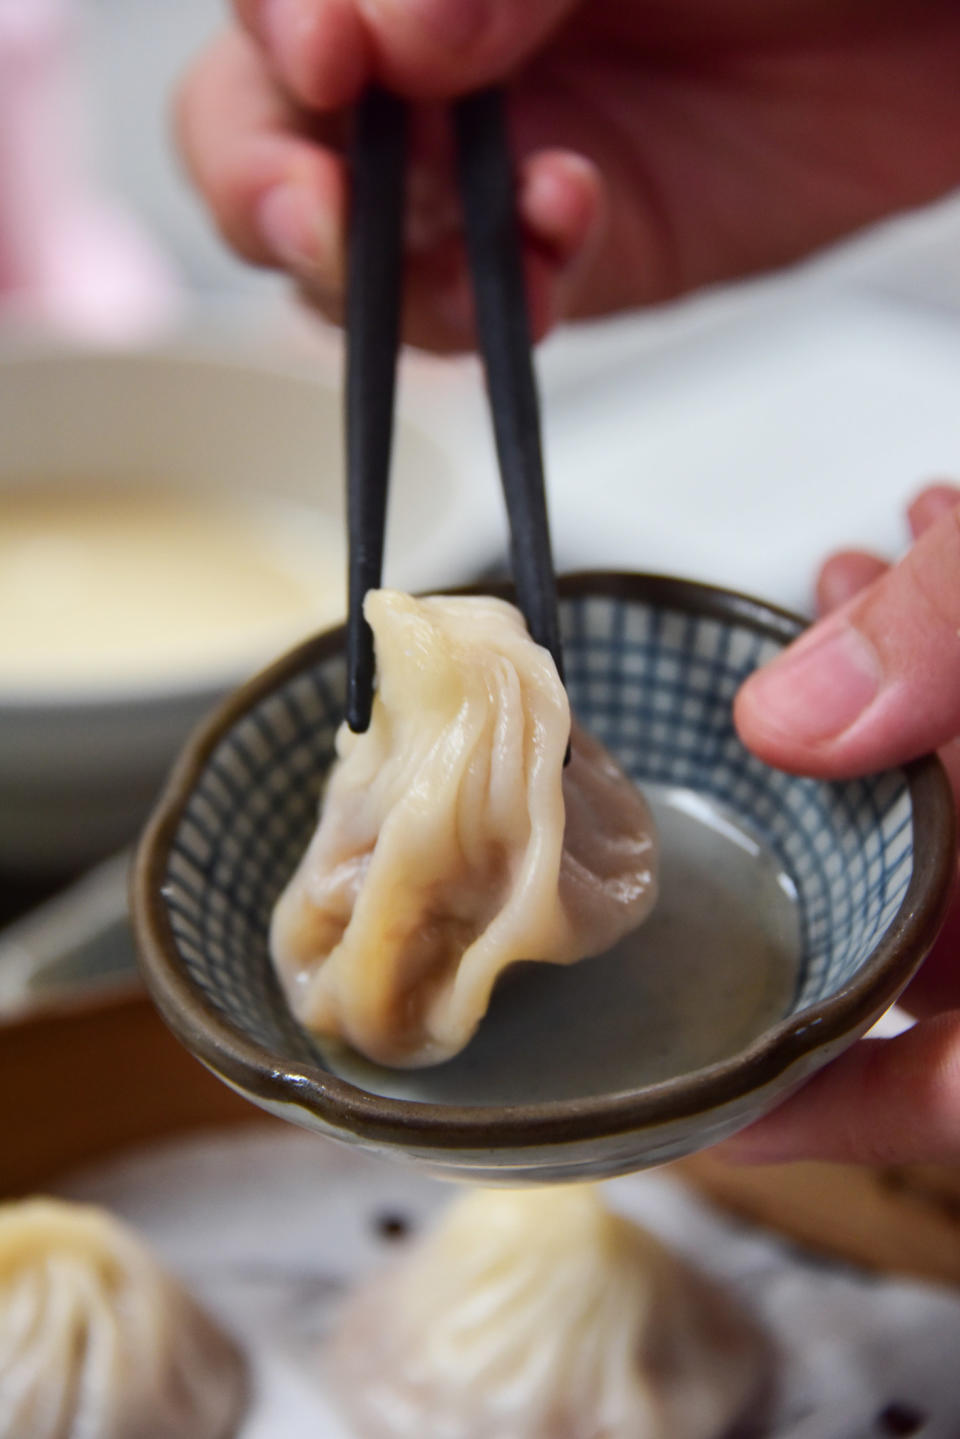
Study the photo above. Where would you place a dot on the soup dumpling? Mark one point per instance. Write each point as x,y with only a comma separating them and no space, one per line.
540,1314
452,841
98,1342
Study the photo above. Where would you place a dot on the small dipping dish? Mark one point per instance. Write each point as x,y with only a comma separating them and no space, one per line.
793,912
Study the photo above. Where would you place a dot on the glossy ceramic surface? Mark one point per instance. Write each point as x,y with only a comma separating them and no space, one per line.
653,665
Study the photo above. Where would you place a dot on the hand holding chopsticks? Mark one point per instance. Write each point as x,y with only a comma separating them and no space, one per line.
373,310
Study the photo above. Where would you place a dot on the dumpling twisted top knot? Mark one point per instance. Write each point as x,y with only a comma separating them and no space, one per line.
452,842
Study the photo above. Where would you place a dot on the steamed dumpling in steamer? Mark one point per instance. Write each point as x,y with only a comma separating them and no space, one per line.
98,1342
452,841
540,1314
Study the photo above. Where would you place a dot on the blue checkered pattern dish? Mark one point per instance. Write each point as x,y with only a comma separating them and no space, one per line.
656,687
652,669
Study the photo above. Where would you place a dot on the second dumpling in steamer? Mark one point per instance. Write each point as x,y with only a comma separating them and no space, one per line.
452,841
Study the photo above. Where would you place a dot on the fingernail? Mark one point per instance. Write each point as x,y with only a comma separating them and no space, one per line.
818,689
833,588
289,221
844,576
284,24
931,505
456,23
545,200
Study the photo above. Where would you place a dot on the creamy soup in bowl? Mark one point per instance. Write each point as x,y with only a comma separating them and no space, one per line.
109,586
170,519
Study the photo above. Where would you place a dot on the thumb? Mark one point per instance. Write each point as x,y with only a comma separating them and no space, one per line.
325,51
438,48
874,684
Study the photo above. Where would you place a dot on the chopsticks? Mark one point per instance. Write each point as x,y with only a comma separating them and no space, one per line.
493,247
375,267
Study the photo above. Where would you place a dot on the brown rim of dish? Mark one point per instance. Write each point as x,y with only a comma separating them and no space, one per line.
248,1066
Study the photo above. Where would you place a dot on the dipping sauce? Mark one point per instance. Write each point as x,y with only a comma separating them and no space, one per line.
103,586
714,966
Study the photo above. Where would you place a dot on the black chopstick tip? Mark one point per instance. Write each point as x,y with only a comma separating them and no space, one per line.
361,669
375,268
358,712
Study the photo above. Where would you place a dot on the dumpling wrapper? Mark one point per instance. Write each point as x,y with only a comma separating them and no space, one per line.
540,1314
452,842
98,1342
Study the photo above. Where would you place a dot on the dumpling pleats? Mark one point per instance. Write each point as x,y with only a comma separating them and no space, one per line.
540,1314
98,1342
452,842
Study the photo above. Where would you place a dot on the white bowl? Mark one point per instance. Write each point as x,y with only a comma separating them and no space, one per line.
79,764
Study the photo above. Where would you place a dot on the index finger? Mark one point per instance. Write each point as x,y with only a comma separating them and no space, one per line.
320,50
324,51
